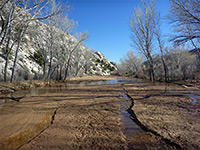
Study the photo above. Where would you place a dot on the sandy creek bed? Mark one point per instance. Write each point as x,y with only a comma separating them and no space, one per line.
95,117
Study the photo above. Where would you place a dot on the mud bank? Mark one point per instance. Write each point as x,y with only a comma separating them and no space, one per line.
168,111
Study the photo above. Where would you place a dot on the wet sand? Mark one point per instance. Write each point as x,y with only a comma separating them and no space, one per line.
83,118
168,110
90,117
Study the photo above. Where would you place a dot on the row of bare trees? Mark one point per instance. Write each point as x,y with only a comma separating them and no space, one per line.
169,63
16,16
56,48
180,64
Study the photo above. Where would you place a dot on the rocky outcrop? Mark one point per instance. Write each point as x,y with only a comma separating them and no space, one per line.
101,65
30,67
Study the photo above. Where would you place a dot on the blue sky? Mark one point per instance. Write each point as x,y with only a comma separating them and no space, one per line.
107,24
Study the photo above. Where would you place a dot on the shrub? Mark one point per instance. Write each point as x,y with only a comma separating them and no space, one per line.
38,57
94,68
98,61
105,68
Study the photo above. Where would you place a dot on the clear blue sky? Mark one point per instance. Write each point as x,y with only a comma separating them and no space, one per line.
107,24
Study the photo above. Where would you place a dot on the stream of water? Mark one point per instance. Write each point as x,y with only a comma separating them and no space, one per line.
137,137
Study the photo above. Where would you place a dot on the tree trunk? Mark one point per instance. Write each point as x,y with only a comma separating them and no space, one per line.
60,74
7,27
57,72
151,70
15,60
67,69
5,69
44,70
165,68
50,65
21,34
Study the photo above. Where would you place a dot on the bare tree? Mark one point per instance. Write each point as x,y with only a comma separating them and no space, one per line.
87,61
40,43
179,62
142,26
8,17
130,62
15,18
53,36
78,57
185,16
73,45
66,27
161,45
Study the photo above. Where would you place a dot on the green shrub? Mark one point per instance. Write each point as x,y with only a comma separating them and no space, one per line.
94,68
98,61
104,65
110,67
105,68
38,57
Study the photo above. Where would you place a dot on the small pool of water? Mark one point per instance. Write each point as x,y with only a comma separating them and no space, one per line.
52,89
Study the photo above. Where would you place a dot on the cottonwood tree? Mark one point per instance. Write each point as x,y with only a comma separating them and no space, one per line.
81,61
142,26
77,61
56,35
131,63
66,27
185,17
87,61
11,17
60,57
59,36
160,41
15,17
40,43
52,35
8,23
72,46
178,61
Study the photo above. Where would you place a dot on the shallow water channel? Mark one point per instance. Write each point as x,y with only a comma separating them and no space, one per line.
136,136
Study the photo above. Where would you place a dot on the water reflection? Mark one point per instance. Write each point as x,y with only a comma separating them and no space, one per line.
137,138
51,89
194,98
65,86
